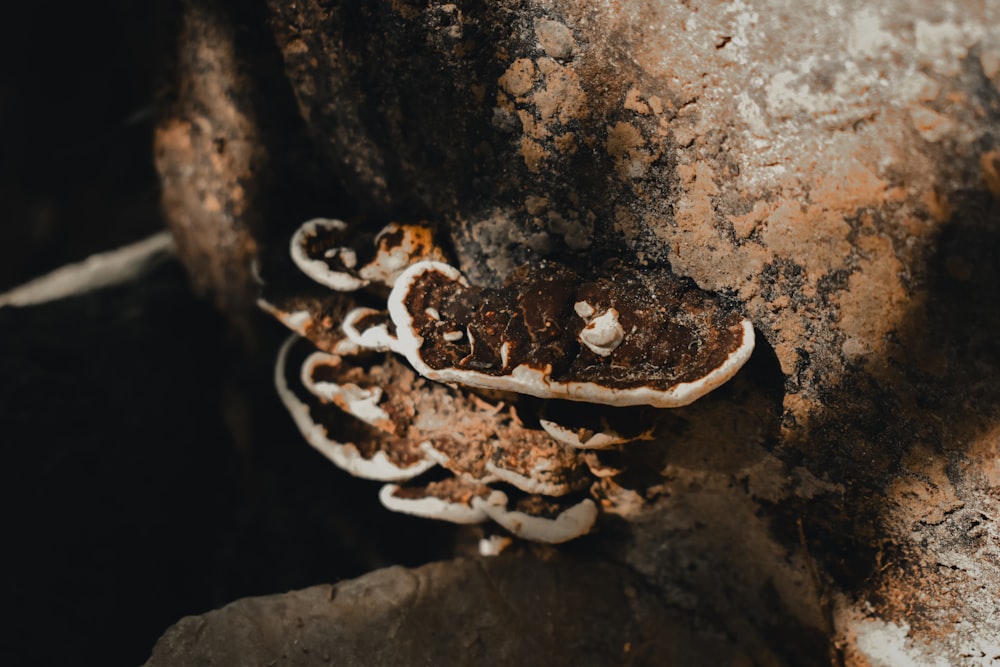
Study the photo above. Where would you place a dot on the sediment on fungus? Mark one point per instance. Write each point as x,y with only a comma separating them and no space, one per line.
539,465
626,339
398,431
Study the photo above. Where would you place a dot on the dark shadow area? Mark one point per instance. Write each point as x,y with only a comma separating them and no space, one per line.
76,172
152,474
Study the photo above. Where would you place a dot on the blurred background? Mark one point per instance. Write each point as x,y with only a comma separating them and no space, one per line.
76,110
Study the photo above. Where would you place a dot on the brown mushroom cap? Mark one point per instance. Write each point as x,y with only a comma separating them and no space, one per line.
666,344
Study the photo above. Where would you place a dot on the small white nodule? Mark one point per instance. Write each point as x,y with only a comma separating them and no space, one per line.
584,309
493,545
347,256
603,333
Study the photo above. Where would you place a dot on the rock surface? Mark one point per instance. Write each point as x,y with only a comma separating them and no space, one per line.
842,191
513,610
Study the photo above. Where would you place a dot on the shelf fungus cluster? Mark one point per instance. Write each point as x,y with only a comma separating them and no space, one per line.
513,404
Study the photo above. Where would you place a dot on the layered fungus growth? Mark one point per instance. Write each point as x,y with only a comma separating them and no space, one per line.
514,404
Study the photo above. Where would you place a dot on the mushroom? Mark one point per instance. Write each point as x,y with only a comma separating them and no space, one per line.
619,342
317,249
595,427
537,465
628,338
326,377
486,443
373,455
447,500
370,328
398,246
313,316
476,439
538,519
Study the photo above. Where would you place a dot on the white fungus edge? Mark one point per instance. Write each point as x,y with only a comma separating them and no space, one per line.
317,269
356,401
569,524
571,437
527,483
430,507
375,338
345,456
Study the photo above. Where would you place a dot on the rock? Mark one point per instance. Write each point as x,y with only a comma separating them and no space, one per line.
515,609
841,191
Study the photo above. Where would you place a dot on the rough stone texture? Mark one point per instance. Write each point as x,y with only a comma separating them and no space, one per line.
839,501
515,610
223,146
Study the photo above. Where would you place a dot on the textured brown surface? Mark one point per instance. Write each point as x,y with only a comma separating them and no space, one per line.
840,191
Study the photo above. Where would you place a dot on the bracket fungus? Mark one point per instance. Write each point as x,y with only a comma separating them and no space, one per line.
318,249
596,427
371,455
537,520
370,328
513,397
654,342
448,500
